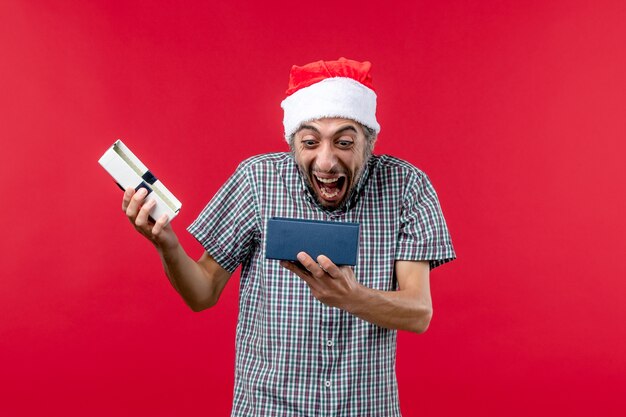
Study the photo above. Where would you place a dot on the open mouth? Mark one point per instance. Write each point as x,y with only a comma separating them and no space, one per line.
330,188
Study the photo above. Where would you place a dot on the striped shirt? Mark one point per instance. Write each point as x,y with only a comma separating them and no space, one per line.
294,355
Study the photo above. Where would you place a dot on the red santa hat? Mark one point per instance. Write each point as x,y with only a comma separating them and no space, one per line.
341,88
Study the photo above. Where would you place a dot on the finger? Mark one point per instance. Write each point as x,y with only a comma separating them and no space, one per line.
311,266
128,194
136,202
328,266
295,268
159,225
302,273
142,218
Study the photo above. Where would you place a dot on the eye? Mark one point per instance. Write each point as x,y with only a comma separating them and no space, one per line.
308,142
344,143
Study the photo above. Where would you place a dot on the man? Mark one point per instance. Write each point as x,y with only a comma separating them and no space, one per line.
315,339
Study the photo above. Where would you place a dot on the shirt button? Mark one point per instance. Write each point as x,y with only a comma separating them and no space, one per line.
330,343
327,384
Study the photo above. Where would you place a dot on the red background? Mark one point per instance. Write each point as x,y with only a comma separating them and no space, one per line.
516,110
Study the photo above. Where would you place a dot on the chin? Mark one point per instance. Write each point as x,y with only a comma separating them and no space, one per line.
328,204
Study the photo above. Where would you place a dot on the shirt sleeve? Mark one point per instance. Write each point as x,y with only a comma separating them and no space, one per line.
423,232
227,226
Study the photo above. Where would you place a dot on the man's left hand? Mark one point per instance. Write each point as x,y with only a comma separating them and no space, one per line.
332,285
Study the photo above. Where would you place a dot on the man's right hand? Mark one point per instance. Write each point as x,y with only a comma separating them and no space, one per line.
199,283
160,233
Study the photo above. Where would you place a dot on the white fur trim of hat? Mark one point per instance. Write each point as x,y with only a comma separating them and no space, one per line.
333,97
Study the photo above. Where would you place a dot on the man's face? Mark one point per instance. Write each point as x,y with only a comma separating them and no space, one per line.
331,154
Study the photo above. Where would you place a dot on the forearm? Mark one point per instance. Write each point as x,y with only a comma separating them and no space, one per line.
199,283
196,286
401,310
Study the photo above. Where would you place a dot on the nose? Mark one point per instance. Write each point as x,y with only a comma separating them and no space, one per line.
326,159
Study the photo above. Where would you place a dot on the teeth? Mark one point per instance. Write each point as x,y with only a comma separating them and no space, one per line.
327,194
327,180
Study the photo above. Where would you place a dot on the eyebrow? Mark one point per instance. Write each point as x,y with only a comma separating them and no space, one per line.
309,127
343,129
316,130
